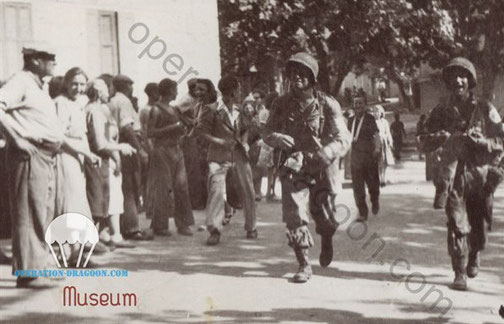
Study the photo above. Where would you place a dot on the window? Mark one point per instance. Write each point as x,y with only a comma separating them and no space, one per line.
15,31
108,42
102,46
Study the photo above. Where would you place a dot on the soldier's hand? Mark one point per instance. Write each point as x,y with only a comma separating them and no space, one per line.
443,133
285,141
478,140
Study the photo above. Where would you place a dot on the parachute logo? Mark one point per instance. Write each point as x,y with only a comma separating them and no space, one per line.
71,228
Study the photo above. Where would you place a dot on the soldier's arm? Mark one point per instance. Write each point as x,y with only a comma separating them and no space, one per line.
339,139
434,134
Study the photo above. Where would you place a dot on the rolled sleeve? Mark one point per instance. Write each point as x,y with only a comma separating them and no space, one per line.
125,117
12,92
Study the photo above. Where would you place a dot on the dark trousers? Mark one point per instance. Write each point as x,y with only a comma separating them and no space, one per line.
168,188
5,219
33,192
131,187
365,171
398,144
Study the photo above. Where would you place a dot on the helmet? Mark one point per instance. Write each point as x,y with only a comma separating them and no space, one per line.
461,63
306,60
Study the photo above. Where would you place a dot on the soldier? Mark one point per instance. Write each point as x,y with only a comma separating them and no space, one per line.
29,123
308,130
365,158
471,134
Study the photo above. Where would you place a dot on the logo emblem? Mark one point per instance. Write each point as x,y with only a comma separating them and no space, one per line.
71,228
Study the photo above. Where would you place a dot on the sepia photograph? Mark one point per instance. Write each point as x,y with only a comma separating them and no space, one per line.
251,161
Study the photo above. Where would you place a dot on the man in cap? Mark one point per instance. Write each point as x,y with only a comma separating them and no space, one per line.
308,130
29,123
130,131
365,158
470,132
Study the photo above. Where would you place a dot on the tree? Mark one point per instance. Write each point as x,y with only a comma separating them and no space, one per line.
409,34
479,35
341,34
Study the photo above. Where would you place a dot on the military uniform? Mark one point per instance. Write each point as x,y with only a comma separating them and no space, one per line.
307,184
464,171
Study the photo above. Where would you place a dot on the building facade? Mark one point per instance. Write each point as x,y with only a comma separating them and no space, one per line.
145,39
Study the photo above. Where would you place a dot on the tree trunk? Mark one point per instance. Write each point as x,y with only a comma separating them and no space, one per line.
343,69
323,76
394,76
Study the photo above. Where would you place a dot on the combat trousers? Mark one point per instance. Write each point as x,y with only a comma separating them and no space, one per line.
447,158
33,195
217,191
302,193
365,171
467,207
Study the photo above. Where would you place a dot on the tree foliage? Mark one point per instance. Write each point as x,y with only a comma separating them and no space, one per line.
398,35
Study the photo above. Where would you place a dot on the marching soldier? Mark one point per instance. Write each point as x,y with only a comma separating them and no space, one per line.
471,135
308,130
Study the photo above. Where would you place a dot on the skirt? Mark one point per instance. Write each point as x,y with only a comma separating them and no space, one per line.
74,186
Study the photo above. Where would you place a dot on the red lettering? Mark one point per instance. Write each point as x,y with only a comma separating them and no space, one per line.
104,298
93,299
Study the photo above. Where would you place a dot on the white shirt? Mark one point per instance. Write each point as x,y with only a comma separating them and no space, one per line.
30,110
232,115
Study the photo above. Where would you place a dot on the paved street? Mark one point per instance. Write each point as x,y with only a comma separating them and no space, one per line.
180,280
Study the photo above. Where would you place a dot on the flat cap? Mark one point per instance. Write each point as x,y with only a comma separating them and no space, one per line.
38,53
